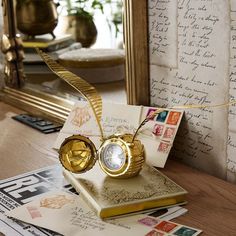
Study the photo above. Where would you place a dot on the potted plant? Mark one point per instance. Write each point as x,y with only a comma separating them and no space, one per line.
80,20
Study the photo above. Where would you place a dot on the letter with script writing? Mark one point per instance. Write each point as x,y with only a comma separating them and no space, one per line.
163,32
231,158
206,139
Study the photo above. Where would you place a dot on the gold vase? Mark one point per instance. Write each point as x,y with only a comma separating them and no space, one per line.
36,17
83,29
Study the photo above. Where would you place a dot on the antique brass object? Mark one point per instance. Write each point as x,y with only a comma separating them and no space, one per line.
118,155
77,154
121,157
83,29
36,17
82,86
11,46
137,79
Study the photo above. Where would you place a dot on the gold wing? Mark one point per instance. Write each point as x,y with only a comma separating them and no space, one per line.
86,89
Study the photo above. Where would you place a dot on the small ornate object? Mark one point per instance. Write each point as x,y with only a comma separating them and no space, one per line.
77,154
121,157
118,156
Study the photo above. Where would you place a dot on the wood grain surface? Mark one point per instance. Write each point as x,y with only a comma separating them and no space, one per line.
22,148
211,201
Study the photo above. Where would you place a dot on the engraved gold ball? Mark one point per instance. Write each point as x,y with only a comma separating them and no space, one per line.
77,154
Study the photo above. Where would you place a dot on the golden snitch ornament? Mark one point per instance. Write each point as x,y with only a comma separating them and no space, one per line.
119,156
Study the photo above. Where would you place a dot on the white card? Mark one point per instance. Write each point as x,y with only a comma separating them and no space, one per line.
69,215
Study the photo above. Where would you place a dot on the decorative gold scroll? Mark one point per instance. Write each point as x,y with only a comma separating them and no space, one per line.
83,87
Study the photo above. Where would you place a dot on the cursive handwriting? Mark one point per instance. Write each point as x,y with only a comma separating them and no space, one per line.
231,145
163,32
86,219
200,79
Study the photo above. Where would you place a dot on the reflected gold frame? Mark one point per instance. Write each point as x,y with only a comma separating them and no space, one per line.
137,70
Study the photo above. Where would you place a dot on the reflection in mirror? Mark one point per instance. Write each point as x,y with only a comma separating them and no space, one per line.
74,31
1,55
43,92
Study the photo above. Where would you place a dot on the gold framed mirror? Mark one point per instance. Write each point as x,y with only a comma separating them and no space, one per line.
136,63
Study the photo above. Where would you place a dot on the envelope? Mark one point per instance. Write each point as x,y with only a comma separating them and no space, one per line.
157,135
69,215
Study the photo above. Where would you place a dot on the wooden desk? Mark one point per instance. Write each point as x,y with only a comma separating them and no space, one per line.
211,201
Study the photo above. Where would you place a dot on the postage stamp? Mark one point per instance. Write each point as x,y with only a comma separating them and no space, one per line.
185,231
169,133
158,130
163,147
149,221
173,118
155,233
166,226
34,212
150,112
162,116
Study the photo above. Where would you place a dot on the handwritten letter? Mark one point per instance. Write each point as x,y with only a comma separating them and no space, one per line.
163,32
231,148
201,78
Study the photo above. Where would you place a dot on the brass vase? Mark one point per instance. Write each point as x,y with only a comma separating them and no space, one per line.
36,17
83,29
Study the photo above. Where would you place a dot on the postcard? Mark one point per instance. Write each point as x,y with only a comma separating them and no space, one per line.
157,135
69,215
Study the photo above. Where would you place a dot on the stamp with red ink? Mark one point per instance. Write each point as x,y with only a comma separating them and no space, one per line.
166,226
150,113
163,147
34,212
173,118
158,130
148,221
154,233
169,133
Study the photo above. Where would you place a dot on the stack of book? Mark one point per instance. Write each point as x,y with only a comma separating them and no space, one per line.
111,197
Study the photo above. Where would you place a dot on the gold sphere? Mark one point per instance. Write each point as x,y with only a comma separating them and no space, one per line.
77,154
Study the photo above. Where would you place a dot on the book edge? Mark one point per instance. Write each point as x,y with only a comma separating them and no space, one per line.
79,189
124,208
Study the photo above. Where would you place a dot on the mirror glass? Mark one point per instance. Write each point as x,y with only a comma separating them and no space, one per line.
87,40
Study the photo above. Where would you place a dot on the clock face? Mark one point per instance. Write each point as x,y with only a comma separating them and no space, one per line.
113,156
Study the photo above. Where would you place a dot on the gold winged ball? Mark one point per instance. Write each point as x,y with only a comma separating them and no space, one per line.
119,156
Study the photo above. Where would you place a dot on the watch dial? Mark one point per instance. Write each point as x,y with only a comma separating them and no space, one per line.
113,156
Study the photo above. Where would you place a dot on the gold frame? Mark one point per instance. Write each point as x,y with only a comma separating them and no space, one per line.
136,48
137,75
